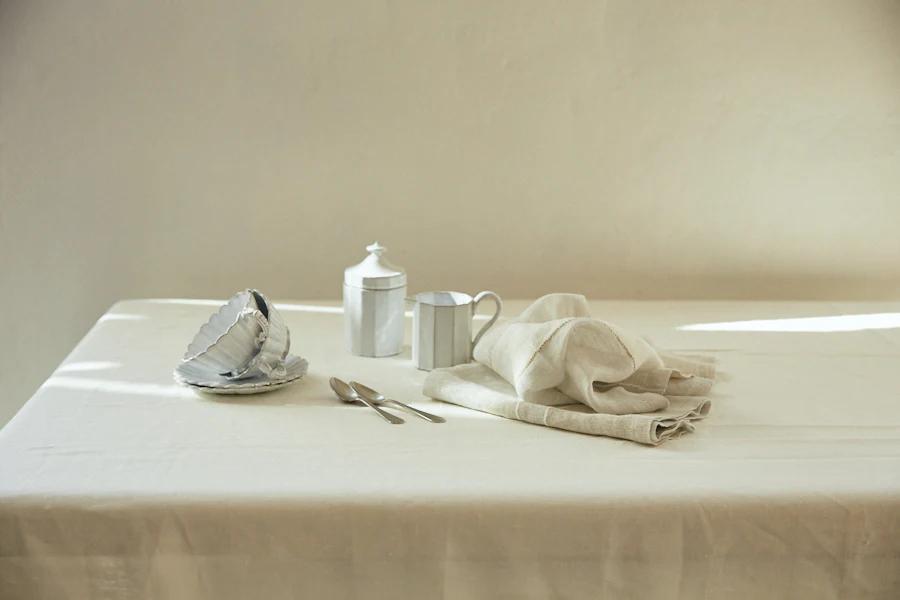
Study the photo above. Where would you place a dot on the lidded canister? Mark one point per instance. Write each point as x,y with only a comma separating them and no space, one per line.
374,304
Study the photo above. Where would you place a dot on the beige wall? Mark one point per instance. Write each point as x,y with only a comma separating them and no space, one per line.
646,149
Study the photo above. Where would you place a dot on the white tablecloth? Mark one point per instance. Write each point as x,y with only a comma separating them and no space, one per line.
117,483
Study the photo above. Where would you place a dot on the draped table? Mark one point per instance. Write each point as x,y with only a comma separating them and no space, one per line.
115,482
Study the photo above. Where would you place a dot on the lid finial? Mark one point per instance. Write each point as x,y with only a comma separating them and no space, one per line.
376,249
375,272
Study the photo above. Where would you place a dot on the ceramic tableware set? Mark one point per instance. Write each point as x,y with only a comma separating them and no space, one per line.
374,305
243,348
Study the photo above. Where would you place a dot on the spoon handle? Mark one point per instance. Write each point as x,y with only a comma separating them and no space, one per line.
390,418
419,413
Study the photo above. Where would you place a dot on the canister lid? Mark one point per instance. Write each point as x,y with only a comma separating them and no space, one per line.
375,272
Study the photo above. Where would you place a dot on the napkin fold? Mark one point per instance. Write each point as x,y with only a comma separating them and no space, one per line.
554,365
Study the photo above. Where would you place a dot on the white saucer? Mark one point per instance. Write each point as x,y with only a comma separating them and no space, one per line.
204,381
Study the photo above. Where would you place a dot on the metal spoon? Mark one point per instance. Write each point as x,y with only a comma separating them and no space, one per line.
346,393
374,397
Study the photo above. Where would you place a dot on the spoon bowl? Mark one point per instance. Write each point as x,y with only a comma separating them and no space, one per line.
348,395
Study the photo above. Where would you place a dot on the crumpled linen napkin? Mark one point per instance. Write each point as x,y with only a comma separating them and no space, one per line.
554,365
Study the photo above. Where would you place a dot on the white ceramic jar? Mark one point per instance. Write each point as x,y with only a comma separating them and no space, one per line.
374,304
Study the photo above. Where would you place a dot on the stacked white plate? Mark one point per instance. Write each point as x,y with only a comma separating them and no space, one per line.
242,349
